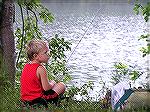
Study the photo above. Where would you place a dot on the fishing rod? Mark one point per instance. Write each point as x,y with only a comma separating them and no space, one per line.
82,36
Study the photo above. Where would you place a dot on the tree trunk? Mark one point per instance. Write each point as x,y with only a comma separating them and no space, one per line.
1,60
0,46
7,39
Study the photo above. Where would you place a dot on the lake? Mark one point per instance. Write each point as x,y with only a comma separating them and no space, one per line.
102,33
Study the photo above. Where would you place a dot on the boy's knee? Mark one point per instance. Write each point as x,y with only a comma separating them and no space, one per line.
59,88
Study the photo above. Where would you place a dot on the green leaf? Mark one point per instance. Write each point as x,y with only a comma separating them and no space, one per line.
134,75
136,8
67,78
120,66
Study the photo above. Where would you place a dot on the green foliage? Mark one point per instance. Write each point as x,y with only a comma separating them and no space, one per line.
72,91
144,37
37,8
57,47
10,99
121,68
9,96
134,75
57,68
82,91
145,10
119,73
123,72
45,15
145,50
10,103
30,29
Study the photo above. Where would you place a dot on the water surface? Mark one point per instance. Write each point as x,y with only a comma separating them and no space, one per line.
108,32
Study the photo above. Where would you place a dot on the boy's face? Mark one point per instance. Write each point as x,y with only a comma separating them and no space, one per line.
43,55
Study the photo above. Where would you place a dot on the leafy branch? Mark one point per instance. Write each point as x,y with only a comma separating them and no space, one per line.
122,71
22,35
145,10
30,29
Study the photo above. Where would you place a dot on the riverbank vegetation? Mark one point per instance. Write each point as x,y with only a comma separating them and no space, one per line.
31,12
10,103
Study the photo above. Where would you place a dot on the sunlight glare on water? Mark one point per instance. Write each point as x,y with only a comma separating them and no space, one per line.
112,37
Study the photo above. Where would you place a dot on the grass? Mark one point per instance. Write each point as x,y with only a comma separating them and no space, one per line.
10,103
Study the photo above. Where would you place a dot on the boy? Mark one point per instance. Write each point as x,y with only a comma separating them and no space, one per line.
34,81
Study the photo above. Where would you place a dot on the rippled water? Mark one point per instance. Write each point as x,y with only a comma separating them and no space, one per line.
111,37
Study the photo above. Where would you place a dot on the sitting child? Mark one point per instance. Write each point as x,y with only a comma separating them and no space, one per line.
34,81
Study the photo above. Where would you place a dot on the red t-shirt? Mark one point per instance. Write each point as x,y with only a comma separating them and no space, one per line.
31,87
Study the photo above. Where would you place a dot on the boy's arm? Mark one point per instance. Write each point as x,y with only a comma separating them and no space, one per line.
42,75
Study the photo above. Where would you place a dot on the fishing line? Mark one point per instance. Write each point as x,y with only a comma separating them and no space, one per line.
82,36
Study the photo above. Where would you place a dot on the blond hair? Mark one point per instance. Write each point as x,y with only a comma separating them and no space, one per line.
34,47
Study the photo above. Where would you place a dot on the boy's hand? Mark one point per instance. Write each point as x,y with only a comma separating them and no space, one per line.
52,83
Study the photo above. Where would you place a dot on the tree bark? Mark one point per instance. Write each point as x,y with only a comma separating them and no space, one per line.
7,40
1,60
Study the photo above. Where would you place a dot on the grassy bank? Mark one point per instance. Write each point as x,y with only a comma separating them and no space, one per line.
10,103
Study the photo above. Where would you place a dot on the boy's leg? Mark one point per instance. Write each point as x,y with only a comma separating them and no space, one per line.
51,96
37,101
55,94
40,101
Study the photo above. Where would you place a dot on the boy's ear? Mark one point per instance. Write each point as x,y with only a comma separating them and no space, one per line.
34,56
